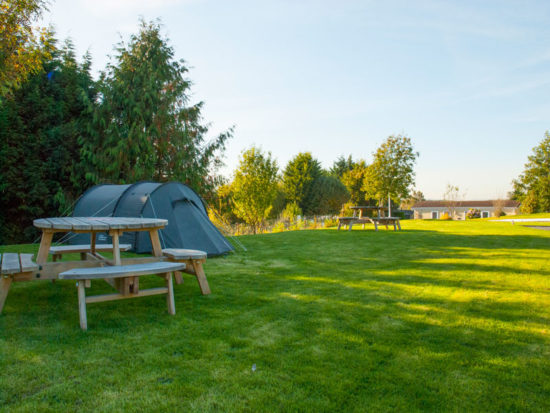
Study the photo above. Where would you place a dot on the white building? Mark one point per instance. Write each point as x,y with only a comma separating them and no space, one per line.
459,209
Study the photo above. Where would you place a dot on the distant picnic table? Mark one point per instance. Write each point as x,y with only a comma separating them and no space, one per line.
359,218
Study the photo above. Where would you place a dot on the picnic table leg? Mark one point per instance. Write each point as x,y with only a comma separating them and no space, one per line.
350,224
155,243
170,295
339,224
4,289
201,278
82,304
92,242
399,225
44,250
116,246
178,277
375,225
394,226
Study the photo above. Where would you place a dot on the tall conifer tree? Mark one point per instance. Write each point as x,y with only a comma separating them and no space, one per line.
144,127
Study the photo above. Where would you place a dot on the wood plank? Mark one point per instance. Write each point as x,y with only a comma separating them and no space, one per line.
80,225
42,223
45,244
68,249
118,271
60,223
201,278
184,254
155,243
10,263
170,295
95,224
118,296
116,250
4,289
27,263
82,305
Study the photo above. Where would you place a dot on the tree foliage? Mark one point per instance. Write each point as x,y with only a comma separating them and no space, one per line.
392,170
328,194
41,126
532,187
144,126
22,47
298,177
255,186
341,166
414,197
353,180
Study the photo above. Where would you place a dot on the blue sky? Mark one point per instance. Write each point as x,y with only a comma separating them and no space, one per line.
468,81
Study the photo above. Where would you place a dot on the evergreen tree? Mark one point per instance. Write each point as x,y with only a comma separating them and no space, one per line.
298,178
40,129
532,188
341,166
328,194
144,126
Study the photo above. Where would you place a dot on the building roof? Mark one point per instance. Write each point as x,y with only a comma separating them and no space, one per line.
507,203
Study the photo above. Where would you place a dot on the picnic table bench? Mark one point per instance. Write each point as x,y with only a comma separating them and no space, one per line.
14,266
130,289
58,250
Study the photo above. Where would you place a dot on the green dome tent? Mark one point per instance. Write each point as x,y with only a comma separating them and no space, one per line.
188,222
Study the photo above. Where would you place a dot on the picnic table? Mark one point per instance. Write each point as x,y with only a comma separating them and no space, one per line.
122,274
358,218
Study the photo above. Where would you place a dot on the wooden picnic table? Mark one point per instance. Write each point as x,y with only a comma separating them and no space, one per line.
349,221
122,274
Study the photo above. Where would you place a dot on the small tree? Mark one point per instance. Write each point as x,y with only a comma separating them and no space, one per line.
254,187
391,173
451,197
532,188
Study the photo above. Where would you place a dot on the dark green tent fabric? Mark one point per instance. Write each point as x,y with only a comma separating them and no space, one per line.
188,222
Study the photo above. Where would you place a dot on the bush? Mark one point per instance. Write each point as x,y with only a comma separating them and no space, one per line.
278,227
445,216
330,222
291,211
473,213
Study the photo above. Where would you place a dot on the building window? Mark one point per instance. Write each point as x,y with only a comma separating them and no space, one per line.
484,214
435,214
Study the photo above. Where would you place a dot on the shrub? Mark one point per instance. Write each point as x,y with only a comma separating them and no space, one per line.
473,213
330,222
291,211
278,227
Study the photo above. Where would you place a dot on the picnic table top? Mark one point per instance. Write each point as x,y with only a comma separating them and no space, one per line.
98,223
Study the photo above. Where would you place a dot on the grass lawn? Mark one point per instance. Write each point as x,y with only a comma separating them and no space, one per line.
440,316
